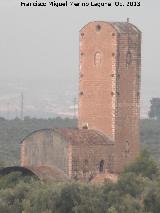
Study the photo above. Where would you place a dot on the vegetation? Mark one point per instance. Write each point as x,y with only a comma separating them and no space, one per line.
150,136
137,191
154,112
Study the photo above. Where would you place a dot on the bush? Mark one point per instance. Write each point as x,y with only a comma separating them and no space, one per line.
145,166
137,191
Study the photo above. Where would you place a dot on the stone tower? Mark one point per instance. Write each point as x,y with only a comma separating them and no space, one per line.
109,85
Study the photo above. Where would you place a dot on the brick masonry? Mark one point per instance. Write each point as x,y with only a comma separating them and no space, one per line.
96,87
79,154
45,148
108,114
109,85
86,160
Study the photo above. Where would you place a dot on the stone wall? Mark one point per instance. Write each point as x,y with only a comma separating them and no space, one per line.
86,160
45,148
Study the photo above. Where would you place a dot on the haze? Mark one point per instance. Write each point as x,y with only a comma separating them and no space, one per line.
39,55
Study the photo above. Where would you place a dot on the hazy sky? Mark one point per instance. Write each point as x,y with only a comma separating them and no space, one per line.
39,50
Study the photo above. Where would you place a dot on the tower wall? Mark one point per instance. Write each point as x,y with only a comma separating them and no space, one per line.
109,85
96,84
127,98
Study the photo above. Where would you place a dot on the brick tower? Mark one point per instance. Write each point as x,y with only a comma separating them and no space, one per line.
109,85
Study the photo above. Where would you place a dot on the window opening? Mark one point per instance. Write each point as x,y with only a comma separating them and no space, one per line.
97,58
101,166
98,28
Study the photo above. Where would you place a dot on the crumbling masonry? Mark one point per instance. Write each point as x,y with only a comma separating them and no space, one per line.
107,138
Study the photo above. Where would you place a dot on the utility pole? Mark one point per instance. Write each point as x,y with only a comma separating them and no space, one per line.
74,108
16,114
8,110
22,106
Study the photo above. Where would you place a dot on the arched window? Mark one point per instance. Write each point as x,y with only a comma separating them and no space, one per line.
97,58
101,166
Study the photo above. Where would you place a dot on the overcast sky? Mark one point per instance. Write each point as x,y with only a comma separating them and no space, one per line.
39,50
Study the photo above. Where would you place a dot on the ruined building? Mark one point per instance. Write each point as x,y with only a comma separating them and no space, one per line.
107,138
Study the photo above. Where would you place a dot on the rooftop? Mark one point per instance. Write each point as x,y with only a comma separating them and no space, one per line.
76,136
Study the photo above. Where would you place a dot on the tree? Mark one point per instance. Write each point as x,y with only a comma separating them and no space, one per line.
154,108
145,166
152,197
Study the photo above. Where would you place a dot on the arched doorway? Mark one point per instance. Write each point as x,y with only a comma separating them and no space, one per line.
101,166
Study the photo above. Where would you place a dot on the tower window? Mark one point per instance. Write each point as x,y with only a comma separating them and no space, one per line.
98,28
101,166
81,93
97,58
129,58
113,54
112,93
113,34
82,34
81,75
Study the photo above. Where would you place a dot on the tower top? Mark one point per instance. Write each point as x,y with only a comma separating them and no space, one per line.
119,27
